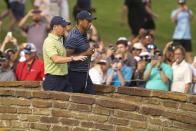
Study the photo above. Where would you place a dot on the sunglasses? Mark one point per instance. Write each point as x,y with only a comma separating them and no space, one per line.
119,58
145,57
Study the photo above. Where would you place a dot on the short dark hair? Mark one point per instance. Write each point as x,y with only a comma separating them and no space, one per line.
124,42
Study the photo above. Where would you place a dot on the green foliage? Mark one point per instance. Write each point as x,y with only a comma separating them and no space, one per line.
108,13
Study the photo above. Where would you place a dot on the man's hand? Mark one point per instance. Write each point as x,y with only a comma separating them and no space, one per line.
186,7
90,51
122,22
7,39
22,46
153,63
13,40
79,58
141,66
119,66
114,66
30,12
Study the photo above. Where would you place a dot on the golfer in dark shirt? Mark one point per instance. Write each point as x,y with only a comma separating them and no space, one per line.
76,44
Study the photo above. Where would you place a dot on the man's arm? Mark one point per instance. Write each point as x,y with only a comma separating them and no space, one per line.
187,88
124,11
149,11
24,19
61,59
121,78
109,79
89,52
163,77
174,18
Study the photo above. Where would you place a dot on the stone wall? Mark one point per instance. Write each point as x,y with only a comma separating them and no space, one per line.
25,107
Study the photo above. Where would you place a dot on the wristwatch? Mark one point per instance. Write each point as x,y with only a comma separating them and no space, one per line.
72,58
160,69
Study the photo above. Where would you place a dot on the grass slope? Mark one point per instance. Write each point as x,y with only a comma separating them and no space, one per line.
108,20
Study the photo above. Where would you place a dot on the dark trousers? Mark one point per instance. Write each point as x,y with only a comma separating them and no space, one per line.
81,83
57,83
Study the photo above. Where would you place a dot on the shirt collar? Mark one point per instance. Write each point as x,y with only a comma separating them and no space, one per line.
78,32
55,37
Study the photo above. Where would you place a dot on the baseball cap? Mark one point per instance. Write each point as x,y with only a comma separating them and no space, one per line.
102,62
30,47
58,20
122,39
151,46
138,45
84,14
145,56
9,50
181,1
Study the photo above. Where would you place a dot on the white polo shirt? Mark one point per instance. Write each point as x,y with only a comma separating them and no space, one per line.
182,75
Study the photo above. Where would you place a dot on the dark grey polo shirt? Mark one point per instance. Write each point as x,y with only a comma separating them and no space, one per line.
80,43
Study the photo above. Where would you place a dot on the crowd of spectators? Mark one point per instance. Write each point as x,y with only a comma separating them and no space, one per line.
136,62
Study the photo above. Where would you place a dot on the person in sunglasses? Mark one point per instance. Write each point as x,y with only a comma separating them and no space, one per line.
119,74
157,73
144,59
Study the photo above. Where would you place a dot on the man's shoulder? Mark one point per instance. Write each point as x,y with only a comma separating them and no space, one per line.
20,64
39,61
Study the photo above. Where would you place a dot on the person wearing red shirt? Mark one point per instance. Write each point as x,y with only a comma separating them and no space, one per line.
31,69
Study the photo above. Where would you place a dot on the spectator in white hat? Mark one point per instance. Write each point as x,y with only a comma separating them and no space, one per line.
137,49
99,71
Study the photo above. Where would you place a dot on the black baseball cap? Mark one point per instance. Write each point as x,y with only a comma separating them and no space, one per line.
84,14
58,20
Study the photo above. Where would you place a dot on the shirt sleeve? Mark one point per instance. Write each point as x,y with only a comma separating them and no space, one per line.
108,72
95,77
188,75
168,72
173,13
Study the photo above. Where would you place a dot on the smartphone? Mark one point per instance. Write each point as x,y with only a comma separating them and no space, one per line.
9,34
155,57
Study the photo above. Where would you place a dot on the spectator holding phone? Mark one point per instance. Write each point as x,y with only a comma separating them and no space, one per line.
158,74
119,74
182,34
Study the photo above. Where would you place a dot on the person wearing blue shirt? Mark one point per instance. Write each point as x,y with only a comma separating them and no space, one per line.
182,34
157,73
119,74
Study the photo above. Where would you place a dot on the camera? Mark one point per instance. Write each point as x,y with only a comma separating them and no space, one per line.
116,61
155,57
96,45
2,59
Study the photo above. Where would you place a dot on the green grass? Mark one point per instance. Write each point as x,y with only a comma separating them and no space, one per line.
108,20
